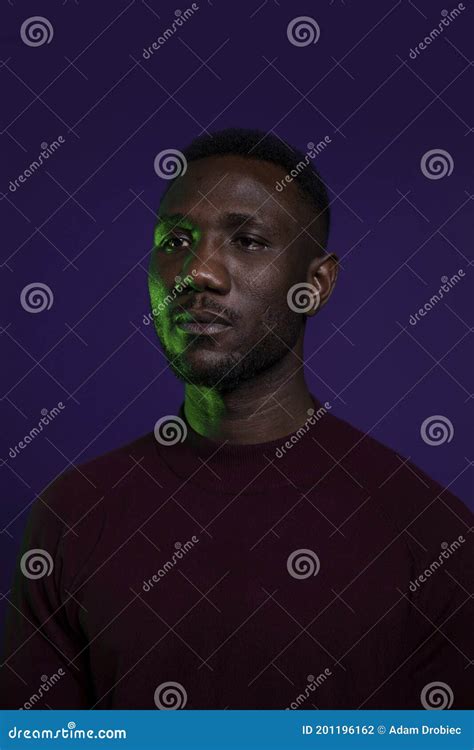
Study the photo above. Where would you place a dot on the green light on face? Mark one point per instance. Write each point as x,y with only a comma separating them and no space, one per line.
174,239
160,298
175,233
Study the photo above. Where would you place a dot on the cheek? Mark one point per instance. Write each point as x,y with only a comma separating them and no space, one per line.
261,282
268,289
160,280
156,287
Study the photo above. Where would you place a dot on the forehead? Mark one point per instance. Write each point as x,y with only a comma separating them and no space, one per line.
234,184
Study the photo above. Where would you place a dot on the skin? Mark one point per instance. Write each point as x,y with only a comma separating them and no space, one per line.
244,245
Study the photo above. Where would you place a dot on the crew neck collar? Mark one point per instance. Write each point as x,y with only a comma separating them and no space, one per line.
224,467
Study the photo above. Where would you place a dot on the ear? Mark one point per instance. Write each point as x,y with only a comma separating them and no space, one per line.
322,273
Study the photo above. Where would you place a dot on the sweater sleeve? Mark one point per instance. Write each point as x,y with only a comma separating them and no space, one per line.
442,604
435,668
44,655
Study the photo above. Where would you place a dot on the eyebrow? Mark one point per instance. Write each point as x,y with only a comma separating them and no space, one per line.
231,219
236,219
174,220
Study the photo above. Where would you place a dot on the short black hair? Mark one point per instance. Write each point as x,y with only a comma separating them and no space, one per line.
256,144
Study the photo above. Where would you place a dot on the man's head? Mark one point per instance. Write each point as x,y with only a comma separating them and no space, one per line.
239,245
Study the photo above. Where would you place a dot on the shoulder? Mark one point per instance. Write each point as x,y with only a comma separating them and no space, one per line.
81,490
410,501
67,521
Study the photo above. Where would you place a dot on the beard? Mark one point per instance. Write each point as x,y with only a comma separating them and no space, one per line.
225,371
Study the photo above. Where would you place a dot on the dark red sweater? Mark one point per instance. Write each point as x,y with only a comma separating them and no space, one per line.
247,577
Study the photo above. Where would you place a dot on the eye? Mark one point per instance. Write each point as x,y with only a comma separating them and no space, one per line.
249,243
173,242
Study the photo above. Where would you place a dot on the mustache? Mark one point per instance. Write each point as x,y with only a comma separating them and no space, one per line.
206,303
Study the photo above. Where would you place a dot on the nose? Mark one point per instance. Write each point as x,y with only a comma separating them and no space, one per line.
206,267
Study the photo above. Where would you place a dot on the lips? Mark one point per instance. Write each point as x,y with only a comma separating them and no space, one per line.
202,322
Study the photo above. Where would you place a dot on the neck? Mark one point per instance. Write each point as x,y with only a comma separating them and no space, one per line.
265,408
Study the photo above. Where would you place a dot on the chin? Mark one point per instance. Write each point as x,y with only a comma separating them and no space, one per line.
221,373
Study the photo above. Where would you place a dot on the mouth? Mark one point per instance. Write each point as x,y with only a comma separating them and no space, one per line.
203,329
202,323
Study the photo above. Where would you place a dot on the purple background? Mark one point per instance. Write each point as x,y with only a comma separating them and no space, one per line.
83,222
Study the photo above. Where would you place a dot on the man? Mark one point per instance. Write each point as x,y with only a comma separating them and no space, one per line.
253,551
